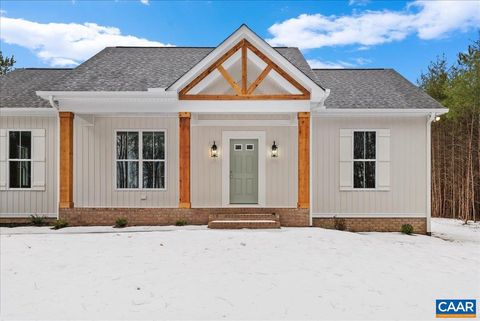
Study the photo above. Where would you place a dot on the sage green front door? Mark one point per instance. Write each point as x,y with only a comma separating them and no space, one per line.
244,171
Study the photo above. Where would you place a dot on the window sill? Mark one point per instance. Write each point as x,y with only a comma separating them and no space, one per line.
140,189
364,189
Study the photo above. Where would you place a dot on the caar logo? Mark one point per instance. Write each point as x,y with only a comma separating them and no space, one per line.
446,308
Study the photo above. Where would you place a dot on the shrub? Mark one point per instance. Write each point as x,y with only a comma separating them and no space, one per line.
407,229
58,224
121,222
339,223
180,223
37,220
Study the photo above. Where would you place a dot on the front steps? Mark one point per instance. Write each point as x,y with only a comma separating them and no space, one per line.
239,221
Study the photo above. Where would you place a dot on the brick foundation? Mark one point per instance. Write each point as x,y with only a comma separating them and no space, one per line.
373,224
168,216
21,221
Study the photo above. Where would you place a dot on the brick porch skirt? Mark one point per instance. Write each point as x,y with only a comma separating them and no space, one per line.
378,224
168,216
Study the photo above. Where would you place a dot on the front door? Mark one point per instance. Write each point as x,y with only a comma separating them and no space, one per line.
244,171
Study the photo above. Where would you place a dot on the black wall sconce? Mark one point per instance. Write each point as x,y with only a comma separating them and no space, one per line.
214,150
274,150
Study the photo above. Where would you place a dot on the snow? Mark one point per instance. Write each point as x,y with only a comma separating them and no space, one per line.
195,273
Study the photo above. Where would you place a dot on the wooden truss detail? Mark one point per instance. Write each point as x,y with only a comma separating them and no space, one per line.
243,91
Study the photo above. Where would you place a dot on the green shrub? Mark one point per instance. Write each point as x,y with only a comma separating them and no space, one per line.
339,223
121,222
37,220
58,224
180,223
407,229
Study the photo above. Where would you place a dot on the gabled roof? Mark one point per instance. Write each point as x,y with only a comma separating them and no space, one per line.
372,88
140,68
17,88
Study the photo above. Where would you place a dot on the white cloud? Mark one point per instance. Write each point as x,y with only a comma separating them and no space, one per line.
145,2
358,2
426,19
64,44
319,64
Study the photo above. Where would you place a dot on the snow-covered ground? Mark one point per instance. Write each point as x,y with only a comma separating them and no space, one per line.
196,273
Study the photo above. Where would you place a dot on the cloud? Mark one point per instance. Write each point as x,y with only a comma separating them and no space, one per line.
145,2
427,19
321,64
358,2
65,44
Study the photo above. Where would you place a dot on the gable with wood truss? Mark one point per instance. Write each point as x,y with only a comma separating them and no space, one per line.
245,67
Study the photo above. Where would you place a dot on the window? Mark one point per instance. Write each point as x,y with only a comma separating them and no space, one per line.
20,159
237,147
141,159
249,147
364,159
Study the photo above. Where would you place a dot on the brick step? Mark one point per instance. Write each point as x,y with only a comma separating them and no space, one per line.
239,224
244,216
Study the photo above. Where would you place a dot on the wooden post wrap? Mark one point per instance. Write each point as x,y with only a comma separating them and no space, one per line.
184,121
66,159
303,160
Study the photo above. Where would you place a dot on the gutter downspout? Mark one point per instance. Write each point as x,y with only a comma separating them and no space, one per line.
51,100
321,105
428,213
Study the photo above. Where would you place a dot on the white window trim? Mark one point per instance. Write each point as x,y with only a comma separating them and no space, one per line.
363,160
249,145
262,157
235,149
139,160
19,160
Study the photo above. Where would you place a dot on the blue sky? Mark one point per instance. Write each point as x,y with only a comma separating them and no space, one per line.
352,34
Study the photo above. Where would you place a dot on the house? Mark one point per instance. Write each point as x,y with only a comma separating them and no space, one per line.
242,130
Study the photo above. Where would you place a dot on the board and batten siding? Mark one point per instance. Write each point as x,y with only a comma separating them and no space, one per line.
44,202
95,163
407,193
281,173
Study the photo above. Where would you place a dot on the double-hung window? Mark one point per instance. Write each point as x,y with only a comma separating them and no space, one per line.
364,159
140,159
20,159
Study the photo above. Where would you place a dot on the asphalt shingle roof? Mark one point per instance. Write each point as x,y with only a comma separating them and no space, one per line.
372,88
140,68
17,88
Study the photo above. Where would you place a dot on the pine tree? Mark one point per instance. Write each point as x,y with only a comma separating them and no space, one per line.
6,64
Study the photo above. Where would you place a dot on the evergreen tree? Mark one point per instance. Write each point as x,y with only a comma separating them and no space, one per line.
6,64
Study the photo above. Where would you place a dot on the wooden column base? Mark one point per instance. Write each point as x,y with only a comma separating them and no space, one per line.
184,205
66,205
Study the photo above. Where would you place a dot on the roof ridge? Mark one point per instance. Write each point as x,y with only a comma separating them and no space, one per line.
188,47
352,68
42,68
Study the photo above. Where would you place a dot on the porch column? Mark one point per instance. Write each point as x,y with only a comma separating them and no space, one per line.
184,120
66,159
303,160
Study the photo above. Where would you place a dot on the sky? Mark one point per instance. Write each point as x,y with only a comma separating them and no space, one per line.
404,35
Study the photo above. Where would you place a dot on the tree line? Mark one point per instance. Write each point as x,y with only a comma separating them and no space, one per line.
456,136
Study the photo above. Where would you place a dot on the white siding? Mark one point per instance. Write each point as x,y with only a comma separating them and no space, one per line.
281,172
407,194
94,163
41,202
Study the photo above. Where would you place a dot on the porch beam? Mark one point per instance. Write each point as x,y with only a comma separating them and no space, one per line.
246,97
66,159
303,160
184,160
